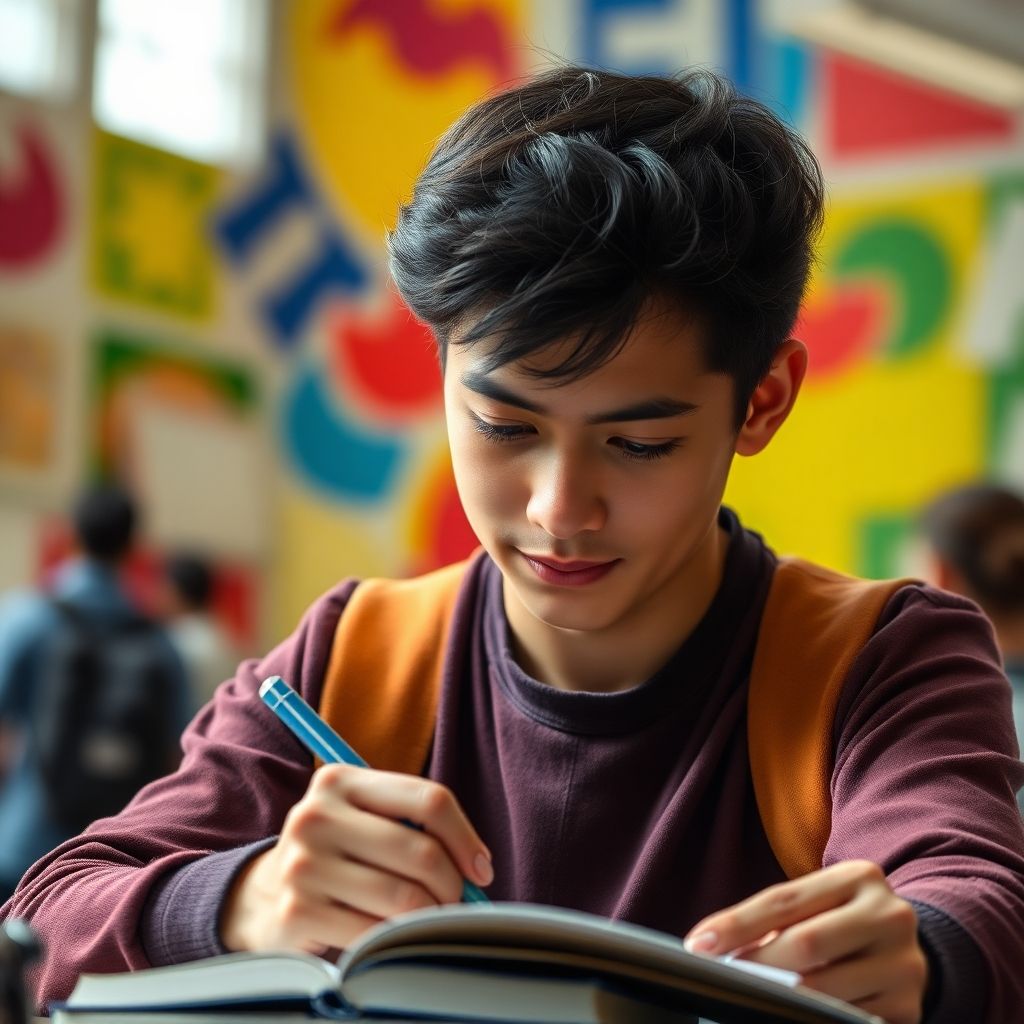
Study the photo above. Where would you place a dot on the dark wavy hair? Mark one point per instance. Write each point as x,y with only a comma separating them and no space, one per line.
557,209
978,529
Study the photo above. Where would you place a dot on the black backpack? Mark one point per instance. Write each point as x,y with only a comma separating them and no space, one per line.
104,721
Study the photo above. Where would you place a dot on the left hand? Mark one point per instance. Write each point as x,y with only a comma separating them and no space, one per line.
841,928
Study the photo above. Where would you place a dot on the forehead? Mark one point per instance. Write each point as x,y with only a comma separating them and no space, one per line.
664,345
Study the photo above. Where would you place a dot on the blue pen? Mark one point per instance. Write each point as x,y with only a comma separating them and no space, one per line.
323,742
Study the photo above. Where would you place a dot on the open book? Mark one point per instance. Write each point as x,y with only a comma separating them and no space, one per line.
502,962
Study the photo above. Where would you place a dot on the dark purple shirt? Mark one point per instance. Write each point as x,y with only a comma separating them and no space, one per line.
636,805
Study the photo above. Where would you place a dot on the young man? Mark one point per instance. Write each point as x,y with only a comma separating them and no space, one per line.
612,267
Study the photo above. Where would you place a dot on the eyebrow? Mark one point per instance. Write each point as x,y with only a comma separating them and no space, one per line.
657,408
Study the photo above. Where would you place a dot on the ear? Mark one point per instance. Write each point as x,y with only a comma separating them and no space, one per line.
773,398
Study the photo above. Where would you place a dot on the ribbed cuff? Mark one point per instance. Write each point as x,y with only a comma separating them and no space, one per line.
181,920
957,975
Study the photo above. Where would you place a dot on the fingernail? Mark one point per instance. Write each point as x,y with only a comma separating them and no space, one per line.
702,942
484,871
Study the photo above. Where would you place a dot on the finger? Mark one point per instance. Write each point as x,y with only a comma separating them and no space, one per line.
337,879
874,921
421,801
822,939
381,894
780,906
314,924
887,975
319,831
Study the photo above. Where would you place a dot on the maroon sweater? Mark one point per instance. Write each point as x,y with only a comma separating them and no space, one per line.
637,805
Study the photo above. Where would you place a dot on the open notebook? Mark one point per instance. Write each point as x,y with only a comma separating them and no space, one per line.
504,962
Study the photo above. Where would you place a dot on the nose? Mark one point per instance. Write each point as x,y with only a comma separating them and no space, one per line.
565,497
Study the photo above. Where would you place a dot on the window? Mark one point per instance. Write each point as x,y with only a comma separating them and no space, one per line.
187,76
39,50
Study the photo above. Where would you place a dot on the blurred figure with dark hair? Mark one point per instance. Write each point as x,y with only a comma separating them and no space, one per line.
104,520
50,642
186,601
976,537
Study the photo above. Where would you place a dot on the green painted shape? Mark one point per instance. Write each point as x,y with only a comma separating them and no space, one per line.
118,162
1003,191
1005,393
914,266
118,354
1005,384
881,541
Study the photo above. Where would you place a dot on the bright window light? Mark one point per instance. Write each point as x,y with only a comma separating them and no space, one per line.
187,76
39,47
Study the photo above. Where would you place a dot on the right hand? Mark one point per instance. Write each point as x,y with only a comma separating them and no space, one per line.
344,861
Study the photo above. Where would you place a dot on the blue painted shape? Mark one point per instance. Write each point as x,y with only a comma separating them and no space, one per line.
333,270
594,15
284,185
337,455
740,39
772,69
794,69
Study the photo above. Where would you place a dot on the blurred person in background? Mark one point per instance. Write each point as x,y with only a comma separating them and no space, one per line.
202,643
975,535
92,689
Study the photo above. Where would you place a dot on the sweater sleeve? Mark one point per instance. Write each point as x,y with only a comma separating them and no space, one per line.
924,781
241,772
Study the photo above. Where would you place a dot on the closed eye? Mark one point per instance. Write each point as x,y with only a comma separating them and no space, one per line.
637,451
644,452
500,431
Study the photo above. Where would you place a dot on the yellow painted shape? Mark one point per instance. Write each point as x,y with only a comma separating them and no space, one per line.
367,123
885,436
320,545
161,239
151,221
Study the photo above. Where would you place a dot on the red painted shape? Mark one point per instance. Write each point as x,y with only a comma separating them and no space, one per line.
428,41
843,327
450,537
234,604
390,362
31,206
872,111
454,537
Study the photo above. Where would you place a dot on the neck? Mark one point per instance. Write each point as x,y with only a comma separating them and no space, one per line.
634,648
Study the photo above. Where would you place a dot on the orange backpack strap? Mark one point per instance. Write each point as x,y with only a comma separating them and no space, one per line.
384,674
815,623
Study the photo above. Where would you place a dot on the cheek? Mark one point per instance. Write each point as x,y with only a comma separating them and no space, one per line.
679,502
482,476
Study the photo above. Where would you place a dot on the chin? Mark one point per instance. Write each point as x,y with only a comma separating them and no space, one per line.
574,616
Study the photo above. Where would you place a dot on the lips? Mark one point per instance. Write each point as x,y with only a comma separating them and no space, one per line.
573,573
560,566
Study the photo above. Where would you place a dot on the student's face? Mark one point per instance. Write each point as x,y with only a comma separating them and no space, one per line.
595,498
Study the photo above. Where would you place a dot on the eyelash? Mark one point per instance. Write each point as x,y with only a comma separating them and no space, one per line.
633,450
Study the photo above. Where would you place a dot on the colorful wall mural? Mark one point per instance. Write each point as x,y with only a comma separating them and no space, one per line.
256,313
